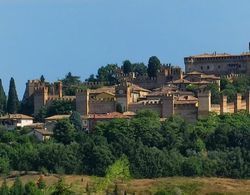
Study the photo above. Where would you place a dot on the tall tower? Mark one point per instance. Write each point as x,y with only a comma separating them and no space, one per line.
82,101
40,98
167,106
123,95
204,103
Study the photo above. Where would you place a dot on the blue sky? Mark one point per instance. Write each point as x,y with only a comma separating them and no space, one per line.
53,37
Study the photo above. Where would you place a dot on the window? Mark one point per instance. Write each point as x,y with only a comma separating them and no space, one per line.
219,67
208,67
201,68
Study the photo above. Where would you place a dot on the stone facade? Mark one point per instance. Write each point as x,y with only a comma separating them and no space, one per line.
133,98
218,64
43,93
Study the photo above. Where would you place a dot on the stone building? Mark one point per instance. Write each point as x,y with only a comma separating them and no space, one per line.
166,74
218,64
241,102
43,93
166,101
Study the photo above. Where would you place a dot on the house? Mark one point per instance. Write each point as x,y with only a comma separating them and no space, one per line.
51,121
42,134
92,119
12,121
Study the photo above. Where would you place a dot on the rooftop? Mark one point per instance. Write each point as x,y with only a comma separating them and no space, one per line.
15,117
212,55
58,117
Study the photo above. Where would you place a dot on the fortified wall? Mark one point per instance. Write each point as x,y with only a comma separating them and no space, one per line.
241,102
43,93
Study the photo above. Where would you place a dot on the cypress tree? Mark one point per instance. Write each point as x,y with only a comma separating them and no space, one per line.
2,99
12,103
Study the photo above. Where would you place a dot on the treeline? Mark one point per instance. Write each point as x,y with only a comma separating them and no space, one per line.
108,73
218,146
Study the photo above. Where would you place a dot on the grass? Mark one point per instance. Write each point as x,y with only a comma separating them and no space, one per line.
161,186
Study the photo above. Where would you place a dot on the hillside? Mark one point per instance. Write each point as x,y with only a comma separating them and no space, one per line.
174,185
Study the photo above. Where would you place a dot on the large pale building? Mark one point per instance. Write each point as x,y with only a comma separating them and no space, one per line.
218,64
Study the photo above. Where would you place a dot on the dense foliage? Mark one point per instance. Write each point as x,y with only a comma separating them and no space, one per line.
57,107
71,84
218,146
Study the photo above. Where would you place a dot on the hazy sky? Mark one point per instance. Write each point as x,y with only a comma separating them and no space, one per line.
53,37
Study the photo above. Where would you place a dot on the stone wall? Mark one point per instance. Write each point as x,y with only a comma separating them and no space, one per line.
187,111
154,107
101,107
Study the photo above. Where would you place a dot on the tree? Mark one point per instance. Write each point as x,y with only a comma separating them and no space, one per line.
107,73
76,120
4,190
12,103
139,68
60,107
64,131
42,79
215,92
117,172
127,67
17,188
154,66
62,189
41,183
2,99
91,78
31,189
4,165
71,84
70,80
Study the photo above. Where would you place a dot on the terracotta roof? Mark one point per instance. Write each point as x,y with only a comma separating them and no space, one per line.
58,117
112,115
138,88
181,81
164,90
44,132
15,117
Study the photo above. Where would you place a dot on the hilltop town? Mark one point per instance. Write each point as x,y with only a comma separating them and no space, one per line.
120,92
134,120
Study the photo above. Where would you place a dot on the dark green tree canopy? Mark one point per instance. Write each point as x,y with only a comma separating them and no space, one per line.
154,66
71,84
2,99
76,120
42,79
127,67
64,131
107,73
12,103
140,68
